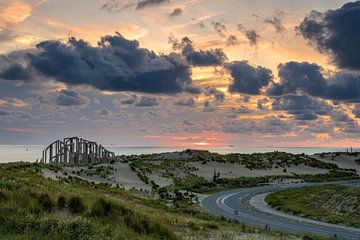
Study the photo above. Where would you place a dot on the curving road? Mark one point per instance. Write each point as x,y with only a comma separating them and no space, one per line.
246,205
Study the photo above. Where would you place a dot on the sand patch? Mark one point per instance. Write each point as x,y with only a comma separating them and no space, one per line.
230,170
122,175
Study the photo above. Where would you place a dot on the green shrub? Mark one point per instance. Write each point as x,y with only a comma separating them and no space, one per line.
3,197
76,205
101,208
45,202
61,202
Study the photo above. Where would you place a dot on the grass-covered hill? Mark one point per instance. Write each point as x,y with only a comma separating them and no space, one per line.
34,207
203,171
337,204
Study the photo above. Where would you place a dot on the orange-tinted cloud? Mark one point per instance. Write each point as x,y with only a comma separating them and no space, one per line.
13,12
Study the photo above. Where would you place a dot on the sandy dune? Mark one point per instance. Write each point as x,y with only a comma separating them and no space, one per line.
123,176
343,160
229,170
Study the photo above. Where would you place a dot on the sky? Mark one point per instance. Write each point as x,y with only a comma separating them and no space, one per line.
187,73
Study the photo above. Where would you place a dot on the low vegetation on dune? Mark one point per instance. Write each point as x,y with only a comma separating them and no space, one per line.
33,207
70,205
178,167
337,204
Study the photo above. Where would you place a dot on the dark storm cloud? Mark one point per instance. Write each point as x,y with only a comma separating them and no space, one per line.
116,64
299,76
212,57
16,71
188,102
307,77
250,34
176,12
276,21
70,98
336,32
146,102
344,86
303,107
248,79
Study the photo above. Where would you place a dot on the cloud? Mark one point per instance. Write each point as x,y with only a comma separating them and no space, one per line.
16,71
269,125
248,79
220,28
13,12
336,32
208,107
70,98
356,111
250,34
103,112
176,12
343,86
308,77
303,107
235,112
188,102
340,116
146,102
232,40
6,35
213,91
262,104
276,21
116,6
150,3
4,113
299,76
212,57
129,100
116,64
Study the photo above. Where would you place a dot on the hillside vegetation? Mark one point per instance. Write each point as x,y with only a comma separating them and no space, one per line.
179,167
32,207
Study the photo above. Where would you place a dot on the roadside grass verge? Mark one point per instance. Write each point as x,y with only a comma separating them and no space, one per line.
338,204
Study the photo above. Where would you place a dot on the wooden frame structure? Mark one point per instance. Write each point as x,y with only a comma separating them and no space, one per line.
76,151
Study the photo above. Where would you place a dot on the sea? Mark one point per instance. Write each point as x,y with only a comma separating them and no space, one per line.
32,153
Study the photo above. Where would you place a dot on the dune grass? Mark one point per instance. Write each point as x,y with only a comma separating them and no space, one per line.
32,207
337,204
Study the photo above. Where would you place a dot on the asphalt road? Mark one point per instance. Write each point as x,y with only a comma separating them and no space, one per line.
235,204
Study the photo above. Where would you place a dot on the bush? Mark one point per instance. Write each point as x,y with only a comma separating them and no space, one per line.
61,202
45,202
2,196
76,205
101,208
